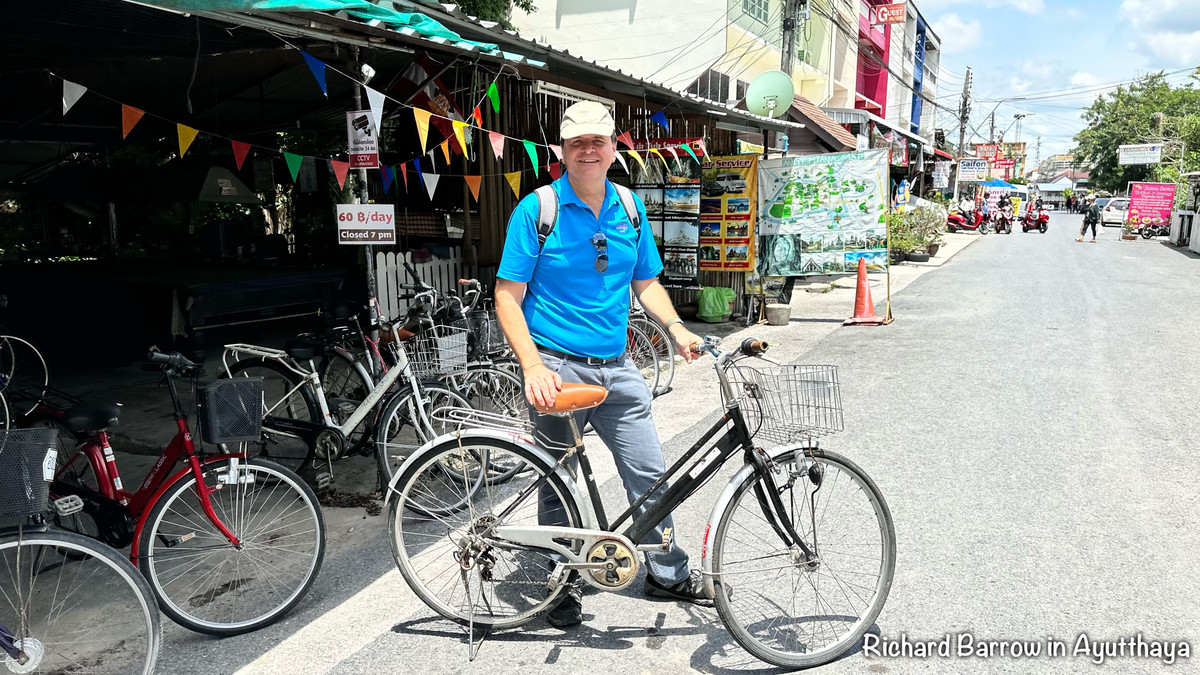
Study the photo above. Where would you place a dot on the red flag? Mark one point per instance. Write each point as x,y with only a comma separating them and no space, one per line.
478,117
624,138
403,171
129,117
555,170
339,169
240,150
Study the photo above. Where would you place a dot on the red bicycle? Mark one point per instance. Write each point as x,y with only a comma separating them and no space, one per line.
229,543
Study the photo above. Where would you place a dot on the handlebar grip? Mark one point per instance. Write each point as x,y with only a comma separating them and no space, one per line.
159,357
752,347
408,296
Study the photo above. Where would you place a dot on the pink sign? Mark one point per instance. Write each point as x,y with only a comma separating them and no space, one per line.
1150,203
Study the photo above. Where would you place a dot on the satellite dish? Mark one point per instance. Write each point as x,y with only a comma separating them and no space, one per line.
770,94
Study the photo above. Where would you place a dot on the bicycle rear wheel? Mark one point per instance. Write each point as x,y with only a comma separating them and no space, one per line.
209,586
494,390
281,400
23,374
73,605
346,384
400,430
790,613
664,347
641,350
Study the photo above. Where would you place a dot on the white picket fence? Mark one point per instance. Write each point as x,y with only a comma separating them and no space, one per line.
442,274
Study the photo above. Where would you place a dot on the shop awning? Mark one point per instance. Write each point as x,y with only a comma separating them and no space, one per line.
855,116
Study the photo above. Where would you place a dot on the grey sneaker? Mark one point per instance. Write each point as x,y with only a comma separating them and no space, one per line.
690,589
569,610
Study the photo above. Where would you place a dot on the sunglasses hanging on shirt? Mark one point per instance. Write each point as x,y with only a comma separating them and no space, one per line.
601,244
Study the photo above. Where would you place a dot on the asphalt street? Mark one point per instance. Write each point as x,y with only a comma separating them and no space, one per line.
1030,417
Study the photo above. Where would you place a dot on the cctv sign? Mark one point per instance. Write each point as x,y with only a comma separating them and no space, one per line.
893,13
362,139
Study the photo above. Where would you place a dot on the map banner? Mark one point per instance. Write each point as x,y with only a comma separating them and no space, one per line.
819,214
728,202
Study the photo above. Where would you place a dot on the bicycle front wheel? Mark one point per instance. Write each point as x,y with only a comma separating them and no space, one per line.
664,347
210,586
641,350
495,390
73,605
788,612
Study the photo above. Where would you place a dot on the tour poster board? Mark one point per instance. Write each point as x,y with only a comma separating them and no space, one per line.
668,182
819,214
1150,204
728,202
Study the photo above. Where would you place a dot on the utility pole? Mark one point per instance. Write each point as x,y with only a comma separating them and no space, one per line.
964,113
789,36
361,194
992,128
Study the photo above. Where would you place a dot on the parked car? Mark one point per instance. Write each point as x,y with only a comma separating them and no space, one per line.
1113,213
711,188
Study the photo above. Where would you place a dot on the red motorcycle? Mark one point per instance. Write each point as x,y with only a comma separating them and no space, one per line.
1004,220
971,220
1040,222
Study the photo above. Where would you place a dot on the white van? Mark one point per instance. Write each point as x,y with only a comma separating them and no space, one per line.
731,181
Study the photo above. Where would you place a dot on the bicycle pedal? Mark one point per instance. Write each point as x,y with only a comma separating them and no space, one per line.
557,576
323,480
65,506
668,538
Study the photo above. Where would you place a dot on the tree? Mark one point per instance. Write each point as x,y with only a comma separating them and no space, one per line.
1068,193
1150,110
496,10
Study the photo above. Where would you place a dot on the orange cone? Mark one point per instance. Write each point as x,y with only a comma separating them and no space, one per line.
864,306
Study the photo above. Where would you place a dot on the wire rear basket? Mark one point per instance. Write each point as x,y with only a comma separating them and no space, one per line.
438,351
788,403
231,410
486,337
27,462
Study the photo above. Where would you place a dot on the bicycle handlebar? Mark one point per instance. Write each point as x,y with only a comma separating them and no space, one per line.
175,363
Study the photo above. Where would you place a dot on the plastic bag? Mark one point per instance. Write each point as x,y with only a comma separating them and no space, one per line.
714,304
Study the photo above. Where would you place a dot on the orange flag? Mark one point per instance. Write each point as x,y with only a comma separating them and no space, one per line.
514,181
473,183
186,136
445,146
478,117
129,117
422,117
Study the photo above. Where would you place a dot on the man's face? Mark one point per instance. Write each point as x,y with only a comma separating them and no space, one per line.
589,156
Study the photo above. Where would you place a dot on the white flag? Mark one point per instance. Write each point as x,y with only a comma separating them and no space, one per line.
376,100
431,181
71,94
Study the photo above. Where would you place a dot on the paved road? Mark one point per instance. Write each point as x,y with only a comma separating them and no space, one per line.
1031,417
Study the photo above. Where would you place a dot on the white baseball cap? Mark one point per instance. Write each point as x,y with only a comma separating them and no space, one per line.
587,117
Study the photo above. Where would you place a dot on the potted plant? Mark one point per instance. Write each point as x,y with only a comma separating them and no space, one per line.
900,236
1127,231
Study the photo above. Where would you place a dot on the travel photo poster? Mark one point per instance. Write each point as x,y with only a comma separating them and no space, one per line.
669,185
728,203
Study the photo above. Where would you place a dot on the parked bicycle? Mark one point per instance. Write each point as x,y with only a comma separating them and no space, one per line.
68,604
798,553
229,543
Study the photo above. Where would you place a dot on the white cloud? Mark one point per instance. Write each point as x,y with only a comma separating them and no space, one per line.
1166,29
1082,79
1028,6
1018,85
957,35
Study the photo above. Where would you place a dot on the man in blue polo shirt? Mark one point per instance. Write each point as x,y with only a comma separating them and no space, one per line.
564,307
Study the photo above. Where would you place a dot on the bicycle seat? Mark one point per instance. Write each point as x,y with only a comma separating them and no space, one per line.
91,416
575,396
301,349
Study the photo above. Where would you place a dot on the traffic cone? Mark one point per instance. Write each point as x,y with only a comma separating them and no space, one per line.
864,306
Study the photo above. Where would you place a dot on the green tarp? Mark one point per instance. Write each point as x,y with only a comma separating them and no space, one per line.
359,9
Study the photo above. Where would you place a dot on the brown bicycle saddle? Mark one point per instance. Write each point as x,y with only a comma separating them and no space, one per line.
575,396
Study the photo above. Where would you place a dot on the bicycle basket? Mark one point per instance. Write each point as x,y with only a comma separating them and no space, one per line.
27,463
437,351
231,410
788,403
486,337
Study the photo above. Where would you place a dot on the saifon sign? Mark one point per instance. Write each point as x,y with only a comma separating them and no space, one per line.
893,13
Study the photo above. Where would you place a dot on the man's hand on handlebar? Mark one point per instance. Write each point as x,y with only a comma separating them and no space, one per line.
687,343
541,385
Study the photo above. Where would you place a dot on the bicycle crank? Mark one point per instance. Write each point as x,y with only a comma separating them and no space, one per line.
611,564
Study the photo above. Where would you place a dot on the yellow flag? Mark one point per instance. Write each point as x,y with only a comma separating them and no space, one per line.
422,117
186,136
514,180
660,156
636,156
458,132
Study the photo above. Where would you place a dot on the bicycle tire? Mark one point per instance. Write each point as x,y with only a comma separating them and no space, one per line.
56,583
496,390
286,449
5,414
396,434
71,466
346,384
756,633
664,347
645,358
22,370
167,538
420,542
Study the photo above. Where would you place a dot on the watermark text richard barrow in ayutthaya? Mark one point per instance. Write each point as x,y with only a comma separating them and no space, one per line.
1083,646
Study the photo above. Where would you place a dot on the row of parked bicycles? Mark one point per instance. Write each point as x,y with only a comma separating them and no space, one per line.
225,534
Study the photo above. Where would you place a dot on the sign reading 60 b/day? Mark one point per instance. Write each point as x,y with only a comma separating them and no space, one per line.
366,224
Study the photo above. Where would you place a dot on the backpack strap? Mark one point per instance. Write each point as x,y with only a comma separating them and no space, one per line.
547,213
631,211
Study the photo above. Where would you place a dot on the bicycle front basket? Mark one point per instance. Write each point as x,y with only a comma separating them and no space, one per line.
788,403
231,410
27,463
486,337
436,351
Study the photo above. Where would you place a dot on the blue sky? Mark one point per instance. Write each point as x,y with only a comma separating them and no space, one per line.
1030,47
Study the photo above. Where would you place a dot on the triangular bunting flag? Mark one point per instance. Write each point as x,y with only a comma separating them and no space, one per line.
473,183
458,133
494,93
445,146
402,169
497,144
420,176
340,169
621,159
71,94
673,151
557,151
186,136
317,67
636,156
660,156
385,173
431,181
514,181
478,117
376,100
555,170
422,117
703,148
531,150
129,117
293,161
240,150
661,118
689,151
624,138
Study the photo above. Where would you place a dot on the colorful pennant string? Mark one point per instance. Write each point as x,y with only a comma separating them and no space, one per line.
186,136
431,181
634,154
531,150
494,93
293,161
689,151
129,118
514,181
478,117
621,159
422,118
318,70
497,144
71,94
459,128
473,183
445,146
555,170
240,150
340,169
375,98
557,150
402,169
624,138
661,118
386,175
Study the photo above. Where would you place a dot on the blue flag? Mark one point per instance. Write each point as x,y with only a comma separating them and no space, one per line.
661,118
318,70
385,172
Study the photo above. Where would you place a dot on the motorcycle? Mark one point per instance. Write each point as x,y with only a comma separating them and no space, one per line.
1041,222
971,220
1151,230
1004,220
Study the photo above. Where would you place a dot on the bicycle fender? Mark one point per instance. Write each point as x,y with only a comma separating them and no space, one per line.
718,510
492,434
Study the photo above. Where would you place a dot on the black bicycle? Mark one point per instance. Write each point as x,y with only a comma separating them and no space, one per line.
798,554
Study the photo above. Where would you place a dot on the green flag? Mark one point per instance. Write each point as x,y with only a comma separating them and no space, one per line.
494,94
532,150
293,162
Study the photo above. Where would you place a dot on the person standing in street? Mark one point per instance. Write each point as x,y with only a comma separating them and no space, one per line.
563,304
1090,218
